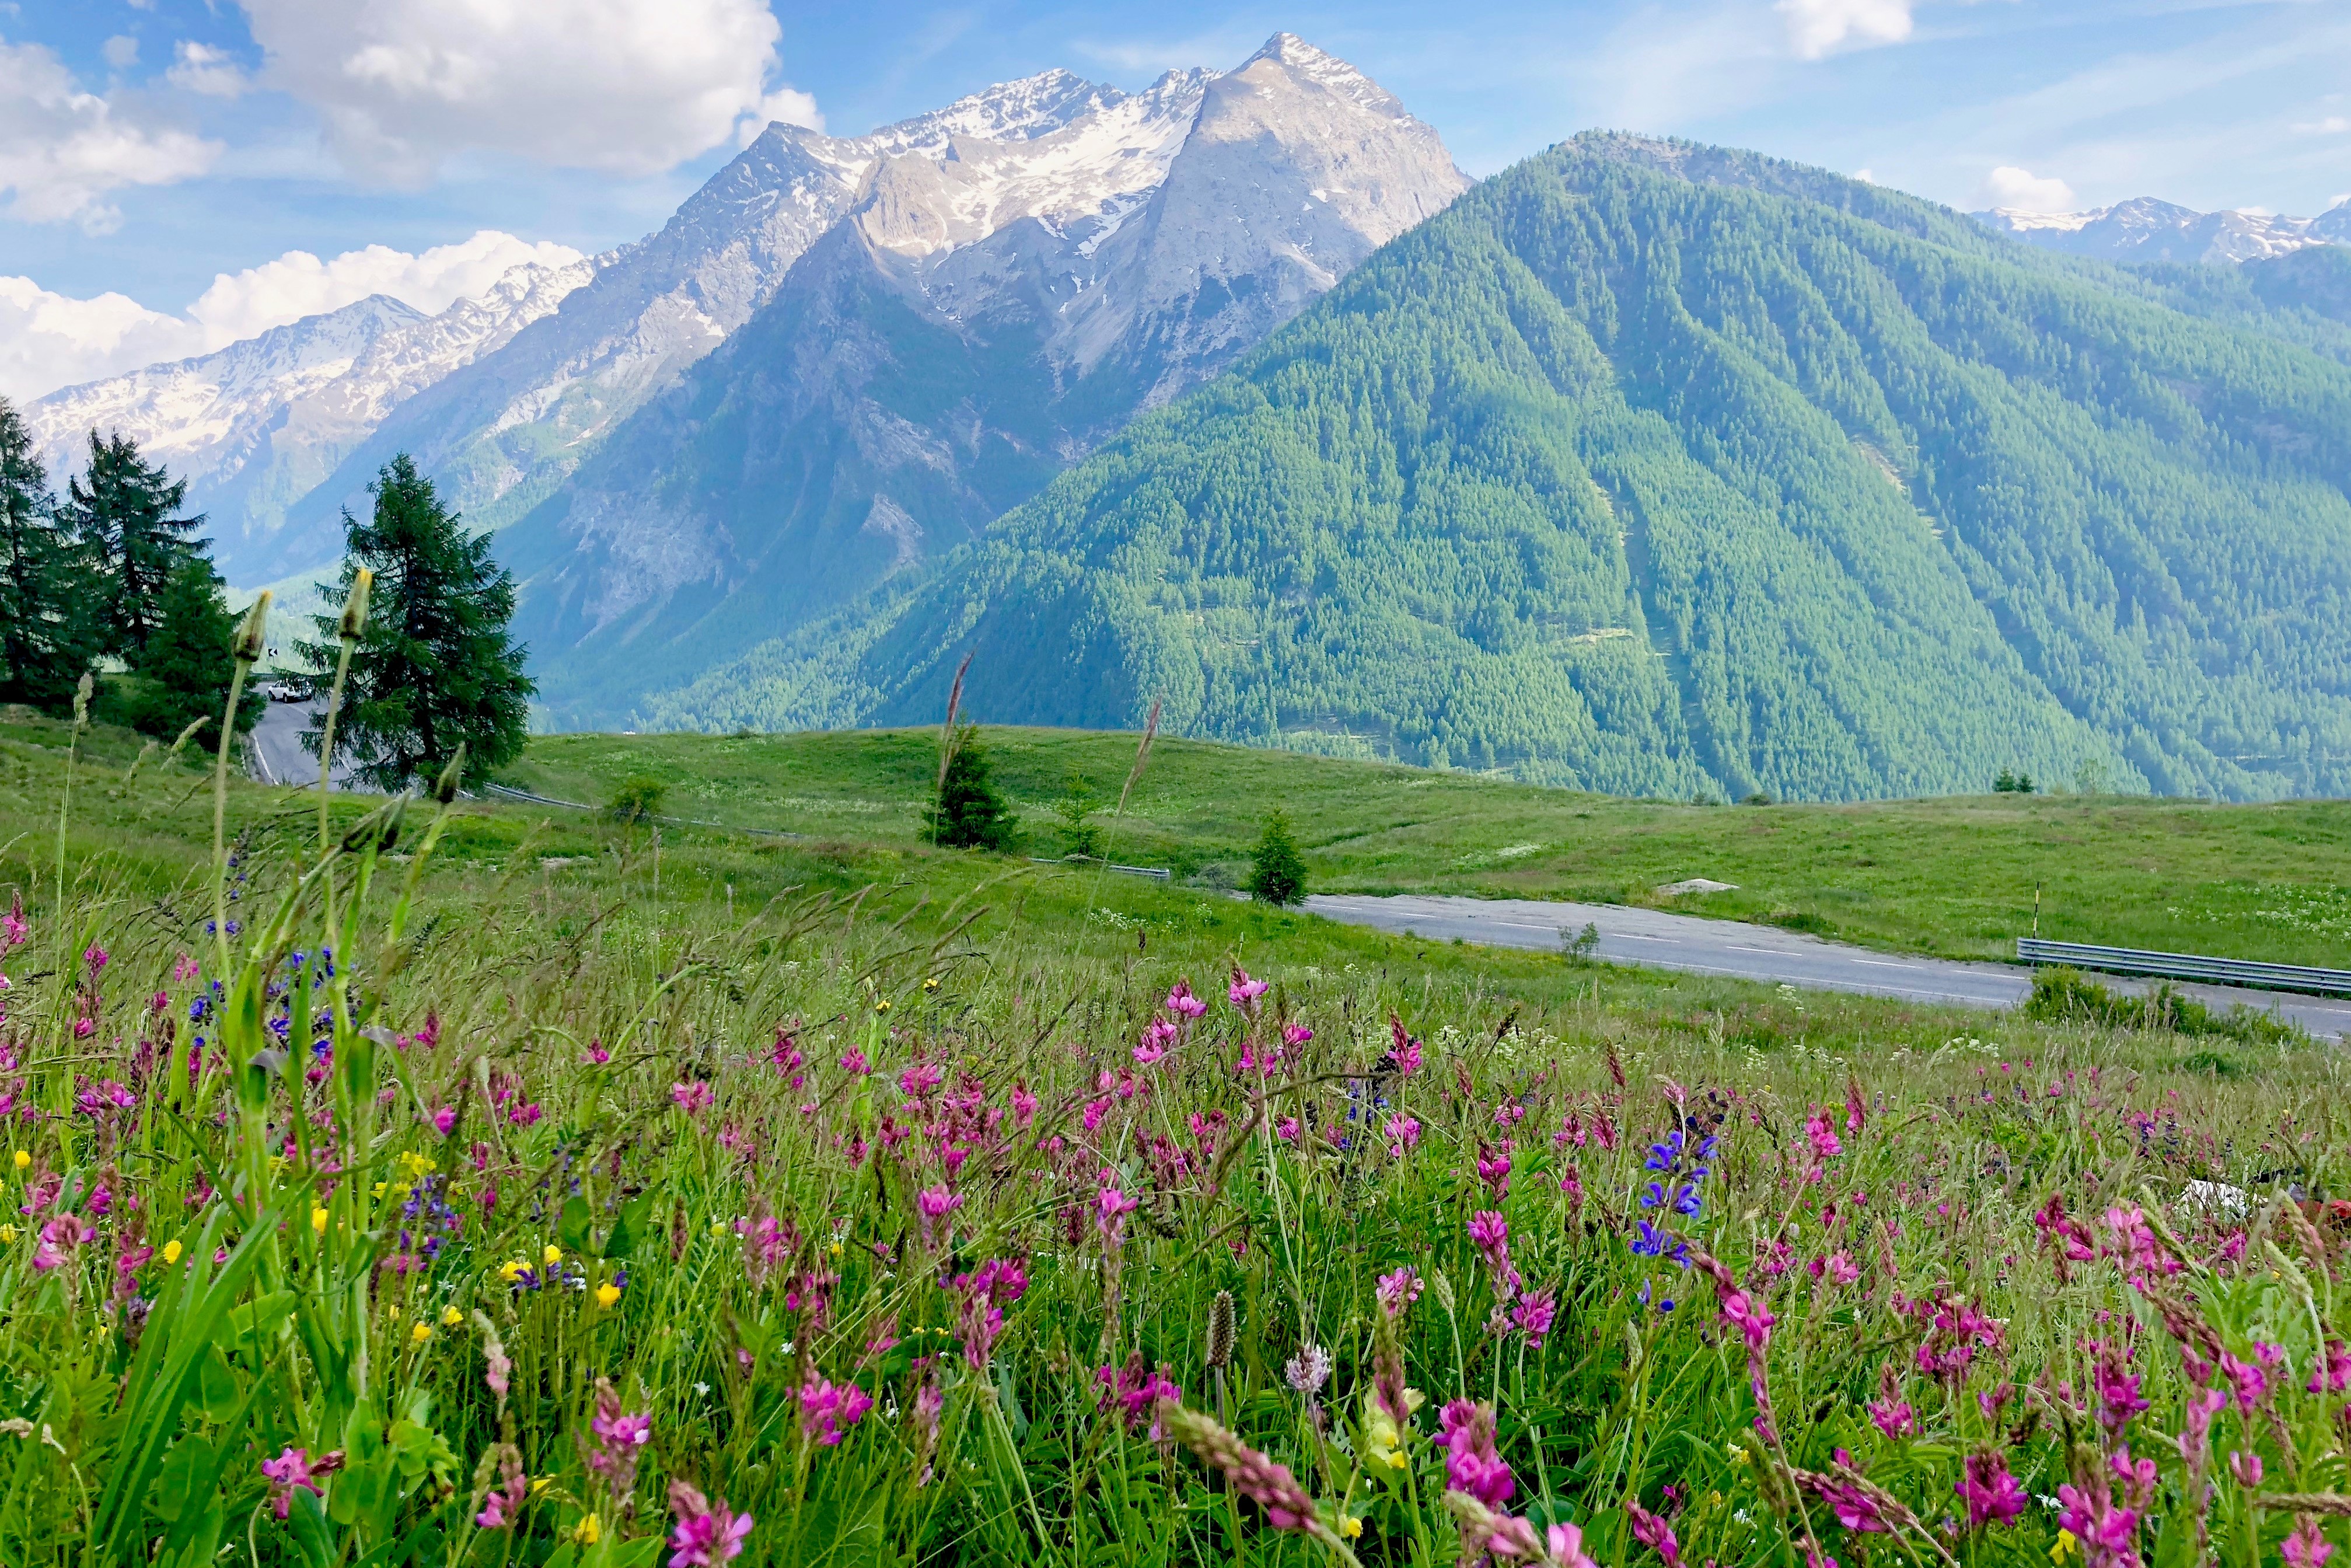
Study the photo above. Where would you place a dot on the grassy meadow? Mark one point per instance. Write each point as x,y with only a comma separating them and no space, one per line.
1954,877
504,1185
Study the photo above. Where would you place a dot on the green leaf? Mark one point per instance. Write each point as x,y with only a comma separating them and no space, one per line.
572,1225
183,1478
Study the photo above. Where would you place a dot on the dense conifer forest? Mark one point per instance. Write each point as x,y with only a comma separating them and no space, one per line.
1662,469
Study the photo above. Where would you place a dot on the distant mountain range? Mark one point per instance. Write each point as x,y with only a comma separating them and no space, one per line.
2147,230
1644,466
1665,469
260,426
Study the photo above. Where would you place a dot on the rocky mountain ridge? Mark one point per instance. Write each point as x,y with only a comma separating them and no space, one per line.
2145,229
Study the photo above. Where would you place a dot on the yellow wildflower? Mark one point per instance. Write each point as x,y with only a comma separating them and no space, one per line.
2066,1547
8,1233
540,1484
932,984
512,1270
607,1294
1385,1436
451,1317
421,1332
317,1222
171,1251
1349,1526
882,1006
588,1531
23,1159
553,1254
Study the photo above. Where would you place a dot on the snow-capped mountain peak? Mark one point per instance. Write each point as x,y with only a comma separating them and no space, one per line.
2147,229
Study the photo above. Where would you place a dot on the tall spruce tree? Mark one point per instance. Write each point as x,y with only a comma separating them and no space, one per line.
183,675
46,634
124,509
434,666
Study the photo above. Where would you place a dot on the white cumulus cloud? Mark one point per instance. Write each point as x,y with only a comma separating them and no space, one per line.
49,340
2022,191
629,85
297,284
63,148
1817,29
201,68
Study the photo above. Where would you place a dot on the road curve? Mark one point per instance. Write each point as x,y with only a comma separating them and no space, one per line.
278,754
1654,939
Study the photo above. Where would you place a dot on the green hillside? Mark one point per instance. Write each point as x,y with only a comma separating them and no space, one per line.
1654,469
1954,876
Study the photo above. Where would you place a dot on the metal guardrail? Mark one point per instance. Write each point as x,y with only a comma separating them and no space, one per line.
2186,967
1157,872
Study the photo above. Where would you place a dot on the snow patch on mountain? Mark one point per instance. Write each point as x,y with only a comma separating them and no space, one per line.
2145,229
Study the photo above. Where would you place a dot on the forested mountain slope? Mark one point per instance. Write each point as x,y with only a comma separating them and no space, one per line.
1665,469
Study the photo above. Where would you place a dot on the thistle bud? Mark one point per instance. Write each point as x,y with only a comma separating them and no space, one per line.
451,777
1220,1330
250,642
355,606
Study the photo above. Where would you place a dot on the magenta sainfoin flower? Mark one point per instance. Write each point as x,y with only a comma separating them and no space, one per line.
1991,1493
1397,1291
1159,1037
1244,992
2251,1380
1249,1472
1472,1462
1405,1050
2118,1396
1494,1169
615,1439
1821,1132
1893,1417
1111,1209
984,1293
1183,1003
1533,1315
59,1237
693,1098
1135,1391
932,1205
2330,1372
295,1470
1653,1530
2108,1532
1403,1133
2307,1546
502,1505
828,1409
705,1534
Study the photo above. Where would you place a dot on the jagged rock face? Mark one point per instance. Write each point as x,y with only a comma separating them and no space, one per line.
988,309
2145,229
257,425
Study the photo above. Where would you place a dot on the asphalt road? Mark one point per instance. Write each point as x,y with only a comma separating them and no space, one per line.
1685,942
278,754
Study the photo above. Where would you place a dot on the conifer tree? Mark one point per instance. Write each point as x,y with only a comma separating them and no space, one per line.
1277,874
46,634
434,666
124,511
969,814
183,675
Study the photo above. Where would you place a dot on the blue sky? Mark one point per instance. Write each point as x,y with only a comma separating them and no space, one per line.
149,147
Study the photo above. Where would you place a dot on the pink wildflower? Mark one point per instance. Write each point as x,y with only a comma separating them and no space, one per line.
1405,1052
1652,1530
704,1536
1991,1493
1533,1315
1398,1291
1135,1389
1111,1209
932,1205
1244,992
1183,1003
1472,1462
2305,1546
828,1409
294,1470
693,1098
1403,1133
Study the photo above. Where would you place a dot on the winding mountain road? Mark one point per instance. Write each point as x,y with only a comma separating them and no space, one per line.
1654,939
